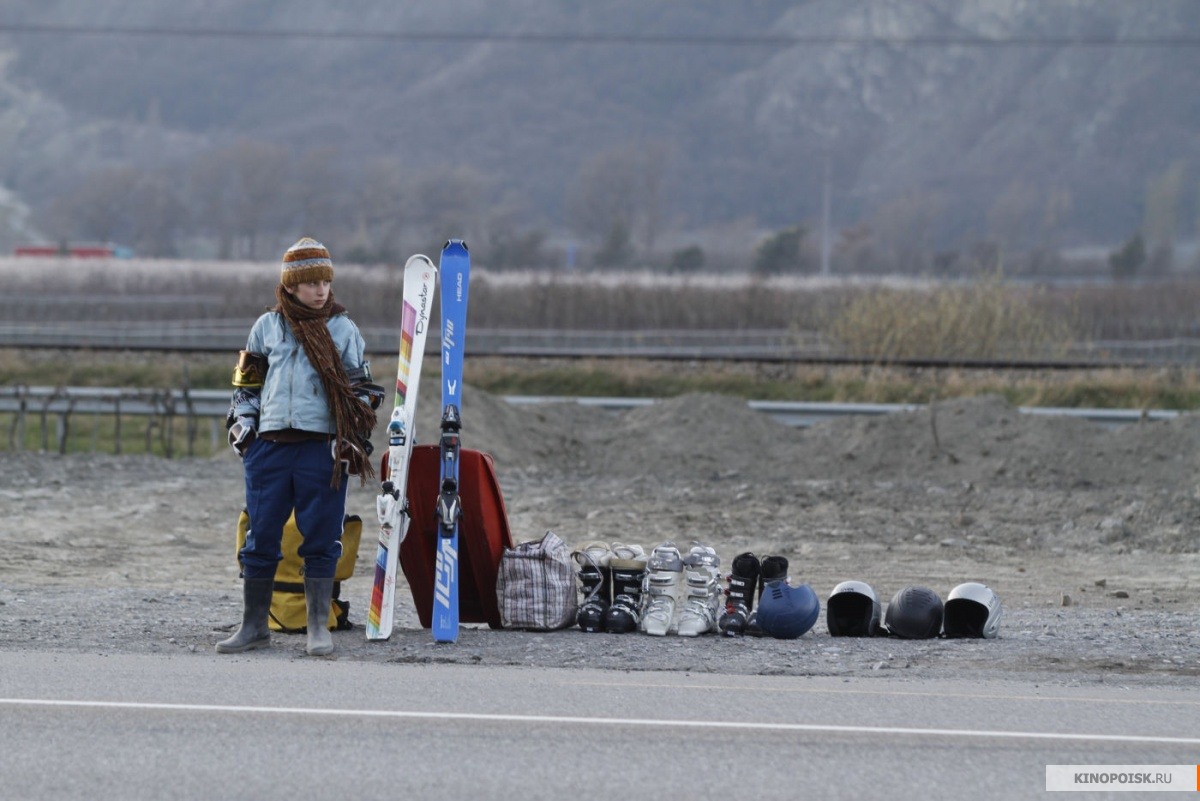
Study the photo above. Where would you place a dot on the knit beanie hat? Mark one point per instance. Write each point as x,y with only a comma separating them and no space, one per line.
305,261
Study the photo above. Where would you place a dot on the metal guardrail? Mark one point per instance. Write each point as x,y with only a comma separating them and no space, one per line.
163,406
109,400
160,406
802,414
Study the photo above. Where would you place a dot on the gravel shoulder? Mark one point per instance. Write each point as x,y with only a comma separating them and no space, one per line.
1091,537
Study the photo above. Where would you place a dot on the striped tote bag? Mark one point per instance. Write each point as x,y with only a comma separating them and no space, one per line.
535,586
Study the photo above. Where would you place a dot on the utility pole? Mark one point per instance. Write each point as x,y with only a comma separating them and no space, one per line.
826,245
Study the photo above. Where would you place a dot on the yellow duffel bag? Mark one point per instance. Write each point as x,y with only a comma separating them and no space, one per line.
289,613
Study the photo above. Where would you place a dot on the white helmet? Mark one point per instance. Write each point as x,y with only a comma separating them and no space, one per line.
852,610
972,610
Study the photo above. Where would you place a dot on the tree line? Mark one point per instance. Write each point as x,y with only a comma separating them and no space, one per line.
246,199
240,201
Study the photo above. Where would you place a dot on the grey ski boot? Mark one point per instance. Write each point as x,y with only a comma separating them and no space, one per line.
318,595
659,589
702,603
256,606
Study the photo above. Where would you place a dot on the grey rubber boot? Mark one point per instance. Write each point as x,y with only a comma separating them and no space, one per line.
318,595
256,606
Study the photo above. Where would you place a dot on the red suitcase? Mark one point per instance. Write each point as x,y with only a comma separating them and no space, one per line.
483,534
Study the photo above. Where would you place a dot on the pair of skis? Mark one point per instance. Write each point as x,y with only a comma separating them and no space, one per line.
391,505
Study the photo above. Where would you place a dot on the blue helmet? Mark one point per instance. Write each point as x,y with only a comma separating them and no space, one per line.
786,612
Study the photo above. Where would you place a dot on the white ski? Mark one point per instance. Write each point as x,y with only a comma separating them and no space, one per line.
420,277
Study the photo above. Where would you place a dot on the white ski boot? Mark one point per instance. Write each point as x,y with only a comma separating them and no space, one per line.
659,589
701,568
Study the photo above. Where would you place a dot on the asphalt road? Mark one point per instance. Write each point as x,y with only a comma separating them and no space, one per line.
198,726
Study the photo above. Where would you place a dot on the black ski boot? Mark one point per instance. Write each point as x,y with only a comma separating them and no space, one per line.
739,597
626,611
773,568
595,578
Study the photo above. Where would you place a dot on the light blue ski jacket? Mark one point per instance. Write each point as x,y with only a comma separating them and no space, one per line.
292,394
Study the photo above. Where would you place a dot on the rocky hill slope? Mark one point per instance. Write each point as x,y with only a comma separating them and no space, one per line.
954,106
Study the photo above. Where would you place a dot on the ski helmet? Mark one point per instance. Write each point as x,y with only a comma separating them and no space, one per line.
786,612
915,613
972,610
852,610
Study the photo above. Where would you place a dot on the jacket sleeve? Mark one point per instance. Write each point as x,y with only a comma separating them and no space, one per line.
358,369
353,347
246,399
256,342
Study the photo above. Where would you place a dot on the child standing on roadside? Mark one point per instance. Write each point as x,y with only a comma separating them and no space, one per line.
301,419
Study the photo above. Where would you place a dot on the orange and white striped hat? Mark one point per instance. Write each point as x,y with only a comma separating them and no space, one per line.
307,260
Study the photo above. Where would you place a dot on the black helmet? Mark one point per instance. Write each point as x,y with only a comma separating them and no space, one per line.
787,612
852,610
915,613
972,610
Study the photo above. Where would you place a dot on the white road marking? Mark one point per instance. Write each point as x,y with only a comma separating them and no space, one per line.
1090,699
583,721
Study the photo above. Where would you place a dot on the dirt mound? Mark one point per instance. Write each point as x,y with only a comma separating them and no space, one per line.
691,437
705,436
533,438
986,440
698,435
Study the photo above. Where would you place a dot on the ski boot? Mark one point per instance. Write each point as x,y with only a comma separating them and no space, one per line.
739,597
595,578
702,573
628,565
659,587
773,568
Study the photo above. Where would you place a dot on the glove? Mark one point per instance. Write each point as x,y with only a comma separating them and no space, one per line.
241,434
370,394
347,449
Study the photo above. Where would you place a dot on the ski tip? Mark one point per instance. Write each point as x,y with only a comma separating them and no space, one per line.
419,258
455,243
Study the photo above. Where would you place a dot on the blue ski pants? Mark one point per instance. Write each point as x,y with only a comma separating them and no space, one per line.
280,477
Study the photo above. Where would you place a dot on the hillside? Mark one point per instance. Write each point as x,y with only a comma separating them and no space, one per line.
1006,120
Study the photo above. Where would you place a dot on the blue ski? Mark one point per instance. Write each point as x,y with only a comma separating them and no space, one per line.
454,274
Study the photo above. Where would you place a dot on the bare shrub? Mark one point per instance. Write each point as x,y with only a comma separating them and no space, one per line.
983,320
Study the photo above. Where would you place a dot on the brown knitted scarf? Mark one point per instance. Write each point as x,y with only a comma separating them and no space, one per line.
351,416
